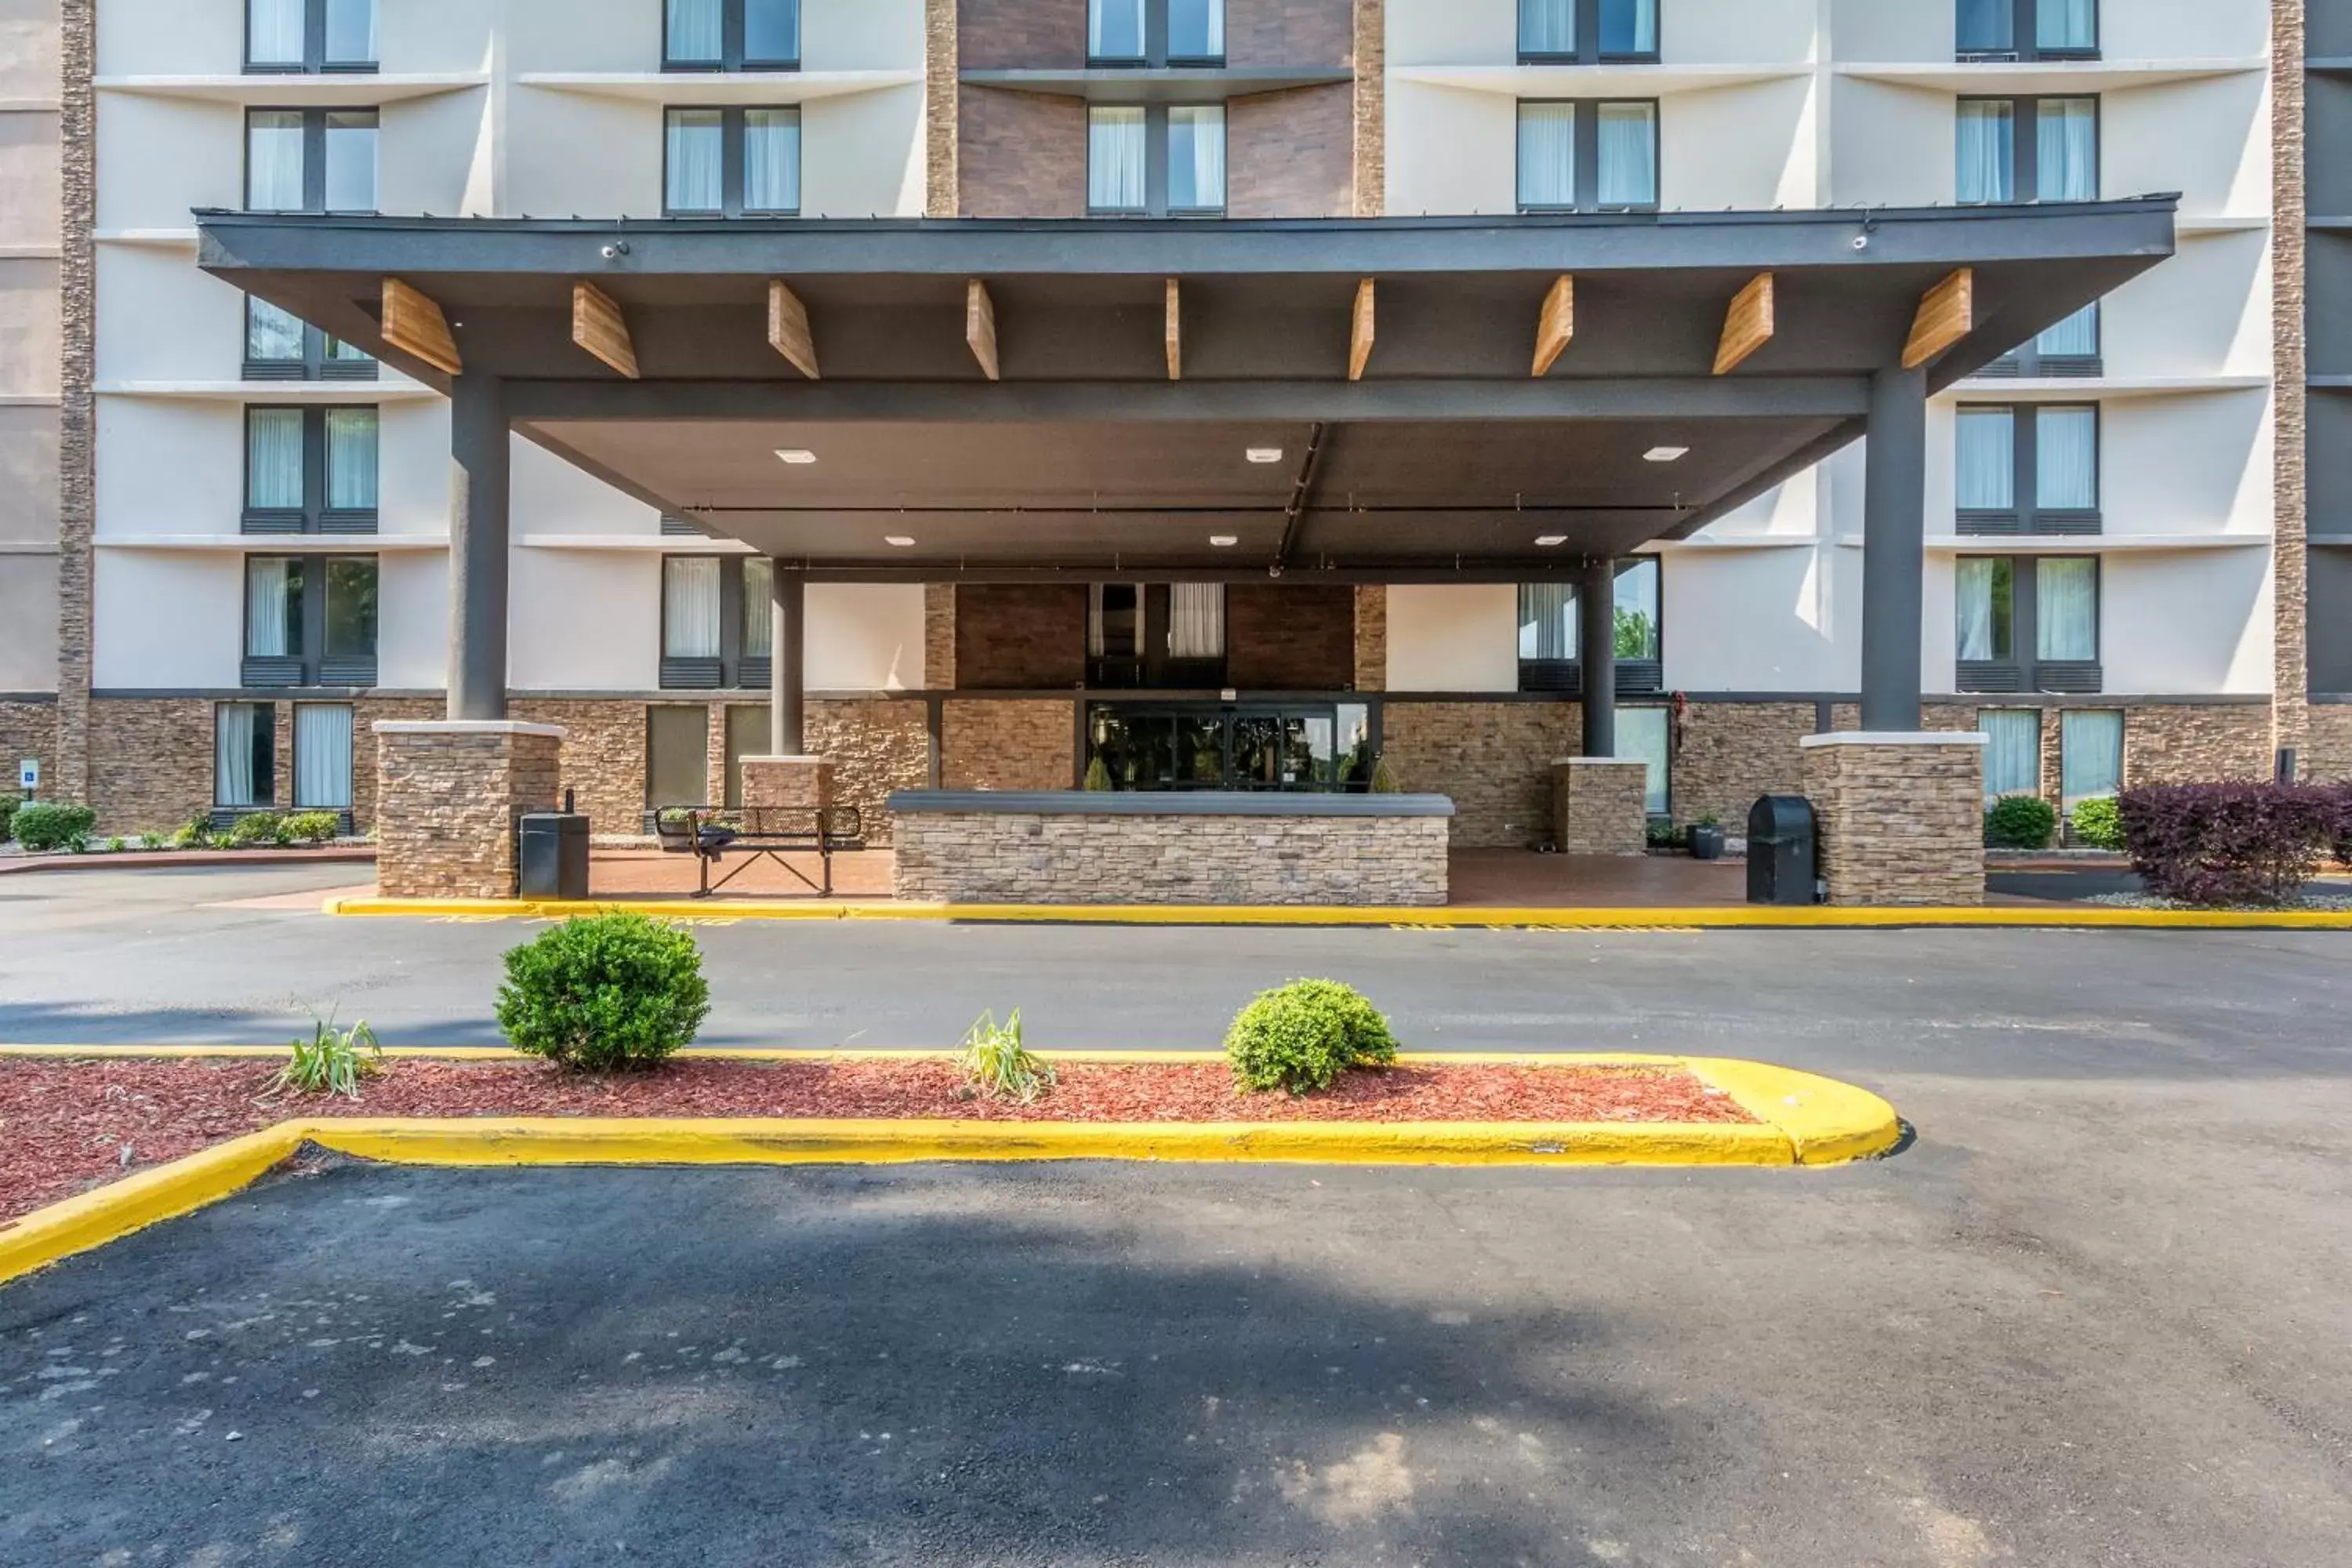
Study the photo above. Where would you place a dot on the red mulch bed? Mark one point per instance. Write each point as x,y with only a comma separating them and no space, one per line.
64,1124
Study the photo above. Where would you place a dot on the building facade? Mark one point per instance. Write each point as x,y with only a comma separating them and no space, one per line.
240,530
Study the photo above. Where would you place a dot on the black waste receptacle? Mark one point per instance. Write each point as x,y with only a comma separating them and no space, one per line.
1780,851
554,860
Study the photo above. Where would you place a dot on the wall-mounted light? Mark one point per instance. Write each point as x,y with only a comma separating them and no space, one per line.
799,456
1225,541
898,540
1666,453
1264,454
1550,541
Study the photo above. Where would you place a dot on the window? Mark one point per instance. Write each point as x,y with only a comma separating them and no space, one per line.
1588,155
244,756
311,470
717,622
2028,149
285,37
2067,348
732,162
678,757
732,35
2029,29
322,757
2013,751
1156,634
1157,161
1643,734
310,620
2033,469
1156,32
310,160
2090,754
2027,623
281,346
1586,32
748,732
1550,651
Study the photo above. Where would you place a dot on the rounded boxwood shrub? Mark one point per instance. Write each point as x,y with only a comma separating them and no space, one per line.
604,991
2020,822
1301,1037
313,827
2099,822
257,829
42,829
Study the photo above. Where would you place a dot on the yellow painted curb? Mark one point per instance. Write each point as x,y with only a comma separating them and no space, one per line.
1801,1119
1738,917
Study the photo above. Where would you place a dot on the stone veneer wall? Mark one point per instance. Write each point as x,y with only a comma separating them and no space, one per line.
1733,751
1372,638
1371,108
1899,824
940,635
77,407
603,756
982,858
1600,808
2290,408
2328,754
451,798
941,89
28,729
1492,758
2184,744
1007,744
876,744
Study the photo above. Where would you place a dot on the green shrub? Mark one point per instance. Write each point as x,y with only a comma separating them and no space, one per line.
256,829
2020,822
2099,822
996,1064
1385,779
45,828
1303,1035
1662,834
603,992
8,804
313,827
331,1061
116,845
194,834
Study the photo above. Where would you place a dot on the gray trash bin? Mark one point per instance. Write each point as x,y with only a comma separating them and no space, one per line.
1782,862
554,858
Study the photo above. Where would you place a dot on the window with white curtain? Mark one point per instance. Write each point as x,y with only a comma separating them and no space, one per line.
731,163
322,756
1550,636
2066,610
759,607
1629,29
281,346
1547,622
1196,158
2029,29
350,160
275,460
2066,148
312,470
771,160
2077,337
2090,754
2013,751
273,161
273,606
1628,154
1985,598
350,33
731,34
1986,459
694,160
1643,735
1586,32
352,459
691,616
1196,620
1115,30
1988,151
2066,459
1117,158
310,160
2066,28
1587,156
695,32
286,36
1546,156
1546,29
1114,620
1196,30
277,34
245,755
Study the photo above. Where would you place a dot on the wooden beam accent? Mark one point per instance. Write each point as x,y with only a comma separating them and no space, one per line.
598,326
1947,313
787,328
415,325
1360,332
1175,331
1747,326
979,327
1556,327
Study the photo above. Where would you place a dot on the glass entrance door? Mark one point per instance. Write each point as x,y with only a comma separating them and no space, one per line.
1257,746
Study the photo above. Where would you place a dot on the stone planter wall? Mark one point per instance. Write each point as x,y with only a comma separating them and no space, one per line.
448,802
1900,818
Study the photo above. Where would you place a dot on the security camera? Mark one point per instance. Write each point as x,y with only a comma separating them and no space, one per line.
1862,242
1275,570
617,250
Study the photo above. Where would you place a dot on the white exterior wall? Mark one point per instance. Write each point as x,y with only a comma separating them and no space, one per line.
1838,102
535,106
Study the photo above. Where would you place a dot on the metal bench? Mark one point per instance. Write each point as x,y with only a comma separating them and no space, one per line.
711,833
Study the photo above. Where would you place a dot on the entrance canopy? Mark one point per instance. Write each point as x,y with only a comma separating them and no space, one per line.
1398,399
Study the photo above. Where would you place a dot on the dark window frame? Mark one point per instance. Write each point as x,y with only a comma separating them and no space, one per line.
1155,56
314,61
2025,19
1587,51
731,122
1155,668
1586,194
733,30
1155,164
264,758
2029,516
1635,676
2025,142
2027,362
314,516
2023,671
312,667
316,363
314,155
733,669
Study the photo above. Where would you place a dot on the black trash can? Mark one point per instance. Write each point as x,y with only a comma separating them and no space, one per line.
554,858
1781,858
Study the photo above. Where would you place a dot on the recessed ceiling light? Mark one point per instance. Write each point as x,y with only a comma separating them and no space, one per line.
799,456
1264,454
1225,541
1551,541
898,542
1666,454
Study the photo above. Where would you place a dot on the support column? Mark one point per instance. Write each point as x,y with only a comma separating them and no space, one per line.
788,776
1596,621
1893,551
478,448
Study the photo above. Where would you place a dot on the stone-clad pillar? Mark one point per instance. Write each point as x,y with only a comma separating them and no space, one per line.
1600,805
1900,818
450,793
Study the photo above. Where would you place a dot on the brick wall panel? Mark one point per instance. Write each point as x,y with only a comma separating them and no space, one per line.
29,730
1020,155
1289,639
1290,32
1292,154
1021,638
1038,35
